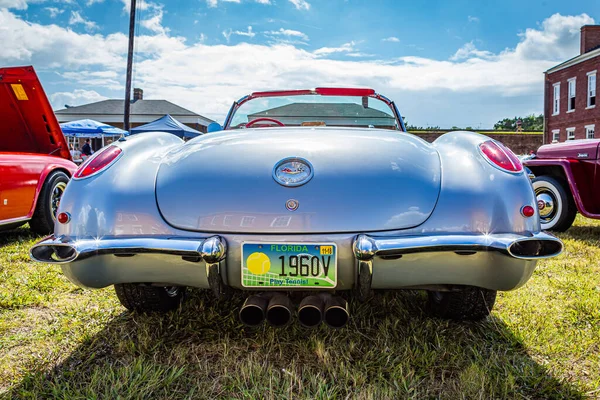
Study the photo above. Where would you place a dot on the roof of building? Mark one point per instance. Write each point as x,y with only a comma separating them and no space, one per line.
139,107
323,110
575,60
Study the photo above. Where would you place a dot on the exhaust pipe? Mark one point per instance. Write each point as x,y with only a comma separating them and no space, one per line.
310,311
254,310
279,310
535,248
336,312
55,254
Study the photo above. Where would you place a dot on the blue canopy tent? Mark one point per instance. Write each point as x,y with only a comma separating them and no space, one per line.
167,124
89,128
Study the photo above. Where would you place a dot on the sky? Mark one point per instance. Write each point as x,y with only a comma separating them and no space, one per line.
445,63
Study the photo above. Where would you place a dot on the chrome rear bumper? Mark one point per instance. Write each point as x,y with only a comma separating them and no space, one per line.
501,261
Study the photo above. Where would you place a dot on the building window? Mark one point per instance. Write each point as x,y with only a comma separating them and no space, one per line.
589,131
555,135
570,133
556,108
572,84
591,91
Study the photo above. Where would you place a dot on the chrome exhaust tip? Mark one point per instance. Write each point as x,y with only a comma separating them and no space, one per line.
254,310
310,311
536,248
279,310
336,312
55,254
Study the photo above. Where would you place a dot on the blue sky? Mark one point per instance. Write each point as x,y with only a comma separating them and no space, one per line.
463,63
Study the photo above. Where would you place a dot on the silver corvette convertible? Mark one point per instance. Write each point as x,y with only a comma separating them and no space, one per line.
308,195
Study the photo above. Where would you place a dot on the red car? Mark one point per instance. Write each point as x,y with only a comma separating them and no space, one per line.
567,180
35,162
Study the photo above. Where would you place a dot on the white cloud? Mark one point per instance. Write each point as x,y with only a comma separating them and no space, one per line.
75,98
468,50
391,39
76,19
228,33
17,4
53,11
167,67
90,2
556,40
154,23
300,4
471,18
288,33
325,51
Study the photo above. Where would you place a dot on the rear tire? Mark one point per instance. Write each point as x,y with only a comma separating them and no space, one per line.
44,216
467,304
559,210
143,298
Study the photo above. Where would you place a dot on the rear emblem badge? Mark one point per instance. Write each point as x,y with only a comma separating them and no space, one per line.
292,171
292,204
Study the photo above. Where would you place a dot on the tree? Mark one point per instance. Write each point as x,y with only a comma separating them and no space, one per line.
529,123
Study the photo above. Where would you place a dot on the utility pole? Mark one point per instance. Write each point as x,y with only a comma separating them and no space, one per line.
129,67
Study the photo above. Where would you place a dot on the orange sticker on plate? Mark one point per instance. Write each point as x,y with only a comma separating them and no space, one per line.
19,91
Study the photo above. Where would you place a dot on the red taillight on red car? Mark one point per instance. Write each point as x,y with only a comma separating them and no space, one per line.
98,162
500,156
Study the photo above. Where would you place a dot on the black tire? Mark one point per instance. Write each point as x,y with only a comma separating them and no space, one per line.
44,216
142,298
560,214
467,304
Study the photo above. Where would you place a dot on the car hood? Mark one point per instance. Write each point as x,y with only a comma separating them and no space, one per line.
28,122
584,149
363,180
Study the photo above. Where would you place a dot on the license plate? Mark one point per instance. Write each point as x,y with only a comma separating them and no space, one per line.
291,265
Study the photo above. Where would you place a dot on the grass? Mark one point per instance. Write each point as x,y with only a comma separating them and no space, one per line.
59,341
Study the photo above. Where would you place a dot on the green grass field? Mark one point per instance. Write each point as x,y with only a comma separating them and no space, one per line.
542,341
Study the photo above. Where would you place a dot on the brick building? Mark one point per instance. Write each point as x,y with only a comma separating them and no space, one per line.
570,102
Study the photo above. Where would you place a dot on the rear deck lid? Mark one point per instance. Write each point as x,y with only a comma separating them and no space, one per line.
28,122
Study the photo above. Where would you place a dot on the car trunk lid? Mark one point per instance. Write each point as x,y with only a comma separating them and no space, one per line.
364,180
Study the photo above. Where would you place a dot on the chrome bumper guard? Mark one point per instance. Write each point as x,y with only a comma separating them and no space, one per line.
211,250
527,247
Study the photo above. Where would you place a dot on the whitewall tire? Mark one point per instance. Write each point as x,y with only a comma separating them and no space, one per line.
555,203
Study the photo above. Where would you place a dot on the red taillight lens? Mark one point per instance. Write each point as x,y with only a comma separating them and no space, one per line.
528,211
63,217
501,156
98,162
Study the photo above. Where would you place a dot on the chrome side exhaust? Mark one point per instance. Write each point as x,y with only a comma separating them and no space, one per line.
336,312
535,248
254,310
279,310
310,311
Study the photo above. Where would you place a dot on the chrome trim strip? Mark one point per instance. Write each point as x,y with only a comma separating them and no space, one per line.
367,247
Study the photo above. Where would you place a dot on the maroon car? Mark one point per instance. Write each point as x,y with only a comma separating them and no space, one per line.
567,180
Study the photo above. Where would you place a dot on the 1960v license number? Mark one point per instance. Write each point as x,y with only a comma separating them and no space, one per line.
289,265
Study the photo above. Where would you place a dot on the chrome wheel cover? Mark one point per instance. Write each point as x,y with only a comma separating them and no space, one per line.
547,202
55,197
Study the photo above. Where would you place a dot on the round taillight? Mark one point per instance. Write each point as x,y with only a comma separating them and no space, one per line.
527,211
98,162
63,217
500,156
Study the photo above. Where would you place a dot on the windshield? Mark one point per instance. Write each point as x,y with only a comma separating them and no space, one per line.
313,110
